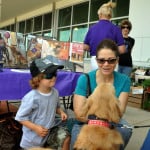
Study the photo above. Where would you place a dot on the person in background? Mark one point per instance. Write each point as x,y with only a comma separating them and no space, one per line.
39,107
107,59
125,60
102,30
4,54
1,54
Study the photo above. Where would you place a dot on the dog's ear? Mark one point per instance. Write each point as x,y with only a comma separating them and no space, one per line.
103,91
113,105
86,106
115,111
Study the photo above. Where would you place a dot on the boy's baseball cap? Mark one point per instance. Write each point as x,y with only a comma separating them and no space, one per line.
43,65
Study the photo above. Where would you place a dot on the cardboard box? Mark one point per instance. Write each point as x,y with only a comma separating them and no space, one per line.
135,100
137,90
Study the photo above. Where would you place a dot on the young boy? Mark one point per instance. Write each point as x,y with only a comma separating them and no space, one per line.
39,107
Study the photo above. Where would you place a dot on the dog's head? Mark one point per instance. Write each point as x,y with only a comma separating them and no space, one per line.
103,103
104,91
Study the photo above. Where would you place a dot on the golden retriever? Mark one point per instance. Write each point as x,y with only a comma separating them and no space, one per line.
103,104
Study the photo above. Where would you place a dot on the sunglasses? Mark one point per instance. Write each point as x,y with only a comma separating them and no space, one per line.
109,61
50,76
127,27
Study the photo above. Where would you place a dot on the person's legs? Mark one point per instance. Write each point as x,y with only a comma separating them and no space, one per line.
120,69
125,133
75,131
59,138
125,70
66,144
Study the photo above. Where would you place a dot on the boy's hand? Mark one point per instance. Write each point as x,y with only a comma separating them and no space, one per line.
63,116
41,131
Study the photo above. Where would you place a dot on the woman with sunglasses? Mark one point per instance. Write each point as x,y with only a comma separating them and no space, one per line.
39,107
125,59
103,29
107,59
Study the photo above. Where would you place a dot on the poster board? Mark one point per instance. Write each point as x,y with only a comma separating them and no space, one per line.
76,52
59,49
14,44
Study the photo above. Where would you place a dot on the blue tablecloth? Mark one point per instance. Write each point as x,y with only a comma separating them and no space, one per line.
14,84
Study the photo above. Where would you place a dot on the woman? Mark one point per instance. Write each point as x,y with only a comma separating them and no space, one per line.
125,60
107,59
101,30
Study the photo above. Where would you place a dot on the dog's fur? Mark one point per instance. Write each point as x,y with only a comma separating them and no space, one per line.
103,104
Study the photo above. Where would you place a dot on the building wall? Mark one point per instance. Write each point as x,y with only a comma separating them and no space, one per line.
139,16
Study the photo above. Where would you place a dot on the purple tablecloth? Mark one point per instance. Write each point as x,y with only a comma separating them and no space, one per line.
15,84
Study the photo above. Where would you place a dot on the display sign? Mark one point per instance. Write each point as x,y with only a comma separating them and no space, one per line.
59,49
76,52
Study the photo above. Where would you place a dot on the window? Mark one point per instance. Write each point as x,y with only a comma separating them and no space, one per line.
37,34
64,17
29,25
64,34
91,24
95,5
47,34
38,23
12,27
73,21
7,28
122,8
22,27
47,21
78,33
80,13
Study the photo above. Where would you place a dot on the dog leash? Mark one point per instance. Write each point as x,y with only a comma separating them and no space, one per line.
128,126
132,127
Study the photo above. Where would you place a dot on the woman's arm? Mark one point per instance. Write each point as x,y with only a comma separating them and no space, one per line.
123,99
78,103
